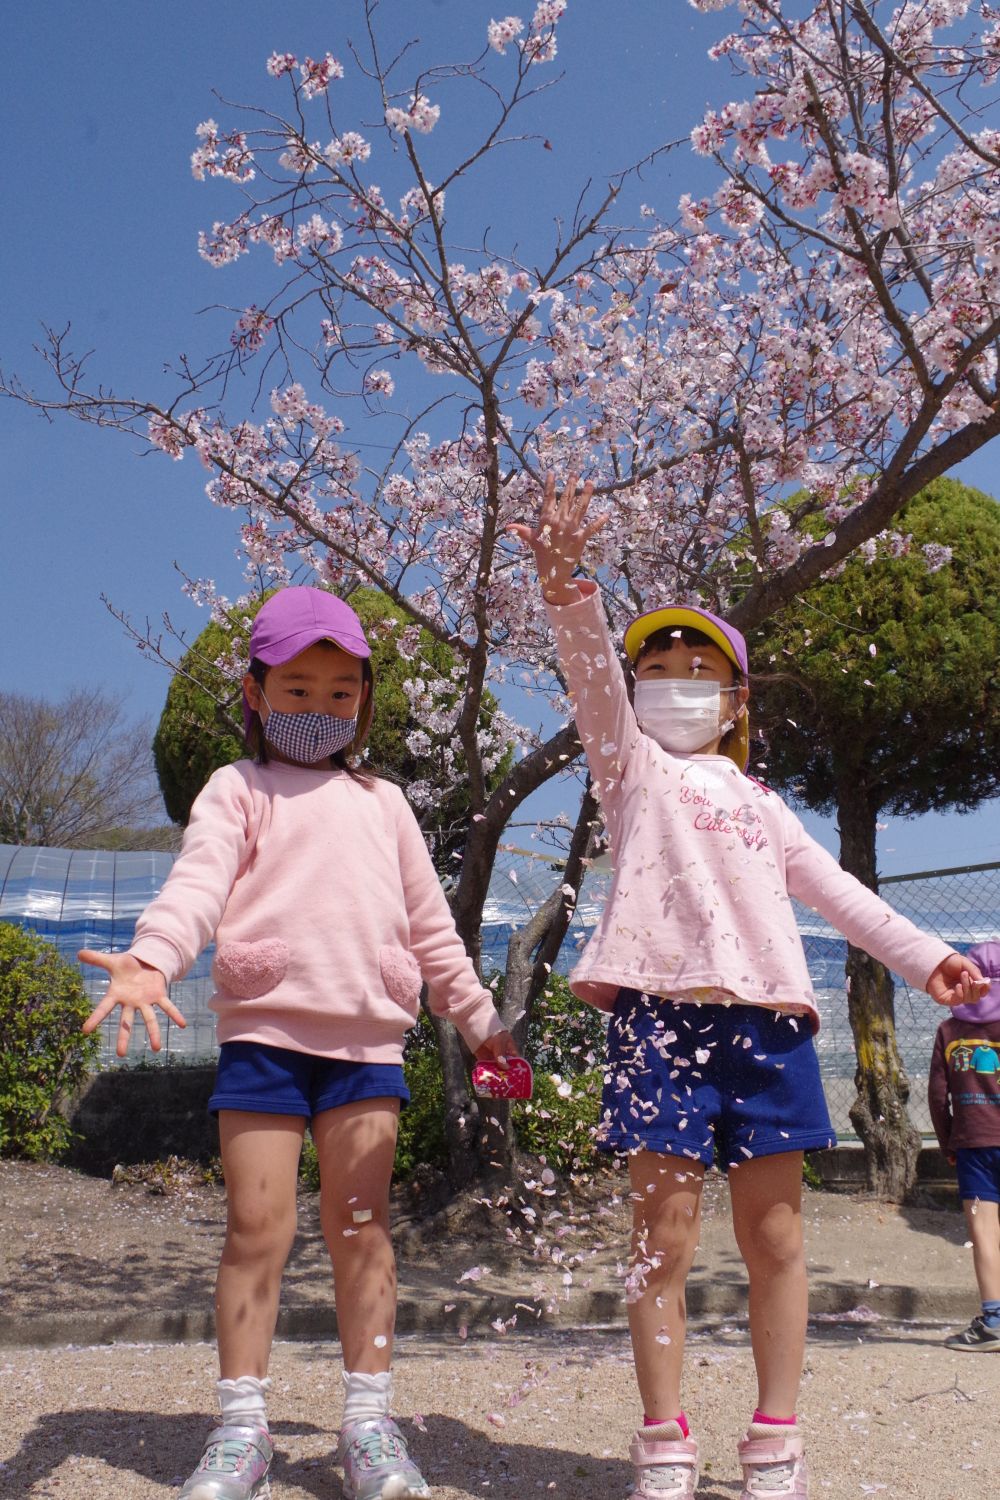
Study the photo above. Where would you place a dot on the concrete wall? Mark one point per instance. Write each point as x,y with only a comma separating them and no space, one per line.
133,1115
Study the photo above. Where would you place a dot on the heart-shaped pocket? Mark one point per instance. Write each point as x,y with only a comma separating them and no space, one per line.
250,969
400,975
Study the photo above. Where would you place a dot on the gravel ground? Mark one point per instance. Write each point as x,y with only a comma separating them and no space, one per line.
91,1259
887,1411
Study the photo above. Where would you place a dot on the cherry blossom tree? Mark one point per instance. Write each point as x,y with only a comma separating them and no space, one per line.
822,319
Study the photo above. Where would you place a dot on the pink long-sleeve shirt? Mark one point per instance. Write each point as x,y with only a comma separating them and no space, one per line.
326,911
706,861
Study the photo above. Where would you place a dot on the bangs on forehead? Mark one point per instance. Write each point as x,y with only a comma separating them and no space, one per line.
667,638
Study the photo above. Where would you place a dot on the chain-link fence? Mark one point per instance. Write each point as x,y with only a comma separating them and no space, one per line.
82,898
958,905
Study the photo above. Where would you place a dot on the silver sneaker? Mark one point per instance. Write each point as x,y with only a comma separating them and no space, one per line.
376,1463
234,1466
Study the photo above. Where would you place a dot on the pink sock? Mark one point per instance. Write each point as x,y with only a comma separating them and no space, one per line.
680,1419
759,1416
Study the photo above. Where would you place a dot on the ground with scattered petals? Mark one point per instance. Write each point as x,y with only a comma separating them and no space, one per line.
888,1412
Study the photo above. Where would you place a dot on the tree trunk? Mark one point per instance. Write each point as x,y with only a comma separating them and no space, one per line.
466,1152
878,1114
461,1110
531,953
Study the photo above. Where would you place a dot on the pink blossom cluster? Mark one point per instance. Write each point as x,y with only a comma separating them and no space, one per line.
379,382
222,155
422,116
500,34
347,149
252,327
318,73
539,46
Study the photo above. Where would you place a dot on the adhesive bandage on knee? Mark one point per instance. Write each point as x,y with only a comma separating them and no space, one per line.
368,1396
242,1401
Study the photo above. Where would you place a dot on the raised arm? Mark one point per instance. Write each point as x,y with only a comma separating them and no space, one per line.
177,923
604,717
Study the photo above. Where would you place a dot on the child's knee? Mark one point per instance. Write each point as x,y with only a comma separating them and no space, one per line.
347,1221
666,1242
774,1245
261,1228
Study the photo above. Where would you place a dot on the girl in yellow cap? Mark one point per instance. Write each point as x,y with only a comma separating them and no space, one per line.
698,960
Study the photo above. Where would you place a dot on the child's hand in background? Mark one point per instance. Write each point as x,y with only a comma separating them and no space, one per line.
957,981
559,539
134,986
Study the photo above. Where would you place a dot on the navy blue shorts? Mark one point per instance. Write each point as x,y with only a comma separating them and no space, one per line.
265,1080
711,1082
978,1169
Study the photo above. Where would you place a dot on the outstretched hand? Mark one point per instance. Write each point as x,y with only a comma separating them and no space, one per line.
134,986
957,981
559,539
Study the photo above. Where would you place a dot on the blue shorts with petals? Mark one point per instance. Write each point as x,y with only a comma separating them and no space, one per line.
711,1082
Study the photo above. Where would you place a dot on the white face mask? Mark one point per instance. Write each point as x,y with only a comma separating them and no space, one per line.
681,714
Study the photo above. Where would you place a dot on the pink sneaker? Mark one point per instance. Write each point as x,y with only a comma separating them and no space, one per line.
666,1463
773,1463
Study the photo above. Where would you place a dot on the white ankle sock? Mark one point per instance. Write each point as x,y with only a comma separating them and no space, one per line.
242,1400
368,1396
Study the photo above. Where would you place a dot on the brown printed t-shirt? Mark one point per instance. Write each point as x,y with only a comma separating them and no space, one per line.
963,1089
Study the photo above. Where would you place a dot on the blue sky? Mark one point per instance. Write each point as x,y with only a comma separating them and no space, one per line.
101,219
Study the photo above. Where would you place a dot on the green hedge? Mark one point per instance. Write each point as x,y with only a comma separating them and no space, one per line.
43,1053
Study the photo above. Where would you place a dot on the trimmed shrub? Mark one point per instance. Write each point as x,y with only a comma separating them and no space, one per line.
421,1123
559,1122
43,1053
567,1036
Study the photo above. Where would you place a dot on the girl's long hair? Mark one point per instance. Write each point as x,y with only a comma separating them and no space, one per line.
343,760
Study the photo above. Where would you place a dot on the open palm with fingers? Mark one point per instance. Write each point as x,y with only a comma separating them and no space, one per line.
134,986
561,536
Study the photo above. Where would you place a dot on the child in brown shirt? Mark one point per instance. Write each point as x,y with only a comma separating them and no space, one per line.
963,1091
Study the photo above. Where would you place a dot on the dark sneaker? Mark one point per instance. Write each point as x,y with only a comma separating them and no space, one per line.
978,1336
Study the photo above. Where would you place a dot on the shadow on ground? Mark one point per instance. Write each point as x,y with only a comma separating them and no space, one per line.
162,1448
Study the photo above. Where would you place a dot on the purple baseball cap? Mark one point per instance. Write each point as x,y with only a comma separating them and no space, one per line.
986,957
296,618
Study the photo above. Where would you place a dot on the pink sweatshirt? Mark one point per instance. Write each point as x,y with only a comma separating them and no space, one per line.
326,911
706,860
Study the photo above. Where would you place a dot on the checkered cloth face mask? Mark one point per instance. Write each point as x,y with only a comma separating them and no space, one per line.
308,737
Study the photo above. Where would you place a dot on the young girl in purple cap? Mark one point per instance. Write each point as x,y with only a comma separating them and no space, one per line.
327,914
698,960
963,1091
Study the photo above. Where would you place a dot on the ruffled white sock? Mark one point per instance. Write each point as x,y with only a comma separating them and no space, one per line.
368,1396
242,1401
